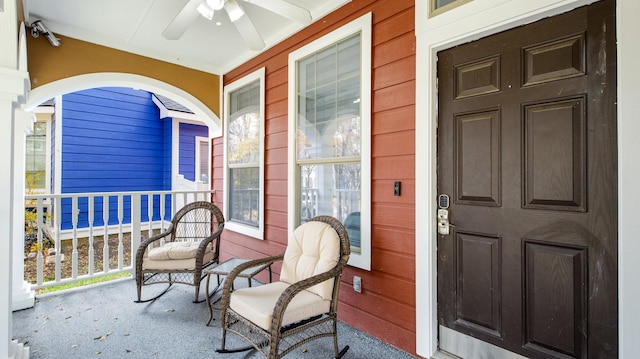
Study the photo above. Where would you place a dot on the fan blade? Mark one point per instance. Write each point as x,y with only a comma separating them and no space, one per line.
286,9
181,22
245,27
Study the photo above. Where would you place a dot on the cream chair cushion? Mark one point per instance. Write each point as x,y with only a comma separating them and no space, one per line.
257,303
175,255
313,248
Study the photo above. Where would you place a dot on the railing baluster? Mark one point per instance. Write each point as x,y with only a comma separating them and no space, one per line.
105,237
74,225
162,211
91,207
40,246
135,228
58,245
150,213
120,220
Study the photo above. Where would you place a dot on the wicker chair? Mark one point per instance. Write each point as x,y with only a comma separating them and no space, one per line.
189,245
277,317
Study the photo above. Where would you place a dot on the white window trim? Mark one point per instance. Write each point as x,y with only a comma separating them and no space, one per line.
230,225
199,140
361,25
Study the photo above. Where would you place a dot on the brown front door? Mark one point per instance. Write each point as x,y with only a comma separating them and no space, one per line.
527,154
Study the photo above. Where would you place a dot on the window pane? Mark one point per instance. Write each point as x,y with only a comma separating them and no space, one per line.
244,125
36,156
349,57
204,162
244,196
441,3
331,189
326,66
243,139
328,93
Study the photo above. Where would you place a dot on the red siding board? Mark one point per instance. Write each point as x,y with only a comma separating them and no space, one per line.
394,239
276,187
394,73
275,203
393,120
377,305
393,144
401,215
276,140
277,77
393,167
278,108
277,155
399,95
394,50
277,94
395,26
276,171
275,125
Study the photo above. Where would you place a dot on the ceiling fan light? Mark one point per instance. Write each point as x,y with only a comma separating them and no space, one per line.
206,11
215,4
234,10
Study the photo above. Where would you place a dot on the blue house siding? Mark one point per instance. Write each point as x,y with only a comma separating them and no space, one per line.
188,133
112,141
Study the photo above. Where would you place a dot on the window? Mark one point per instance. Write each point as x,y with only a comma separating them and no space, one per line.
330,132
439,6
202,159
244,155
37,153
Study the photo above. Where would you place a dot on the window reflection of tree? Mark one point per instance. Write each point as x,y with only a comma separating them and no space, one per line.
243,158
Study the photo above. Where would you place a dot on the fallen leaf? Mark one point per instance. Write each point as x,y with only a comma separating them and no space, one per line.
128,350
74,345
304,350
169,310
97,353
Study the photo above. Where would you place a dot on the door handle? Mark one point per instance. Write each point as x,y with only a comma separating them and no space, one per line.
443,214
443,221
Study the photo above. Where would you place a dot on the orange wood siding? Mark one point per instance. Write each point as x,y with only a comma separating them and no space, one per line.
386,306
79,57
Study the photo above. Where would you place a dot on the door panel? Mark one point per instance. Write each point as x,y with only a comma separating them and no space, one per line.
527,152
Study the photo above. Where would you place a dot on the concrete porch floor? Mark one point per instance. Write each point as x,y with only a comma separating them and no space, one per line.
102,321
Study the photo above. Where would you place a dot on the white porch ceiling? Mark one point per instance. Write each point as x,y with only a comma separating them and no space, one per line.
136,26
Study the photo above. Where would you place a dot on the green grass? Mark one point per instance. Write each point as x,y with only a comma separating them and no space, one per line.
82,283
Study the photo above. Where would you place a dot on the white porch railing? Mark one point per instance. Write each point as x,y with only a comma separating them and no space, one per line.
77,236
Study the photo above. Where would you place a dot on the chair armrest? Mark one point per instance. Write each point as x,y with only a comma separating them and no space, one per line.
142,248
228,282
144,244
295,288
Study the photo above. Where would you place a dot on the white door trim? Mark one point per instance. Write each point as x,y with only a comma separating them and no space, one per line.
480,18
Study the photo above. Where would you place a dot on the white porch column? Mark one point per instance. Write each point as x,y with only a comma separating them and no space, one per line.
13,86
23,296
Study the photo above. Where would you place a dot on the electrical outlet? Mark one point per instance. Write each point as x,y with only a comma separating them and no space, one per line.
357,284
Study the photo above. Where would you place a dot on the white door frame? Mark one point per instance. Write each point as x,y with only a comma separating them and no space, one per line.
480,18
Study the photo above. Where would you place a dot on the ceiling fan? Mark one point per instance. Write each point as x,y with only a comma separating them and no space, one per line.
237,15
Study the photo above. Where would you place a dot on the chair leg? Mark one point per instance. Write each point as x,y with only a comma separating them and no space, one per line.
342,352
197,299
151,299
339,353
